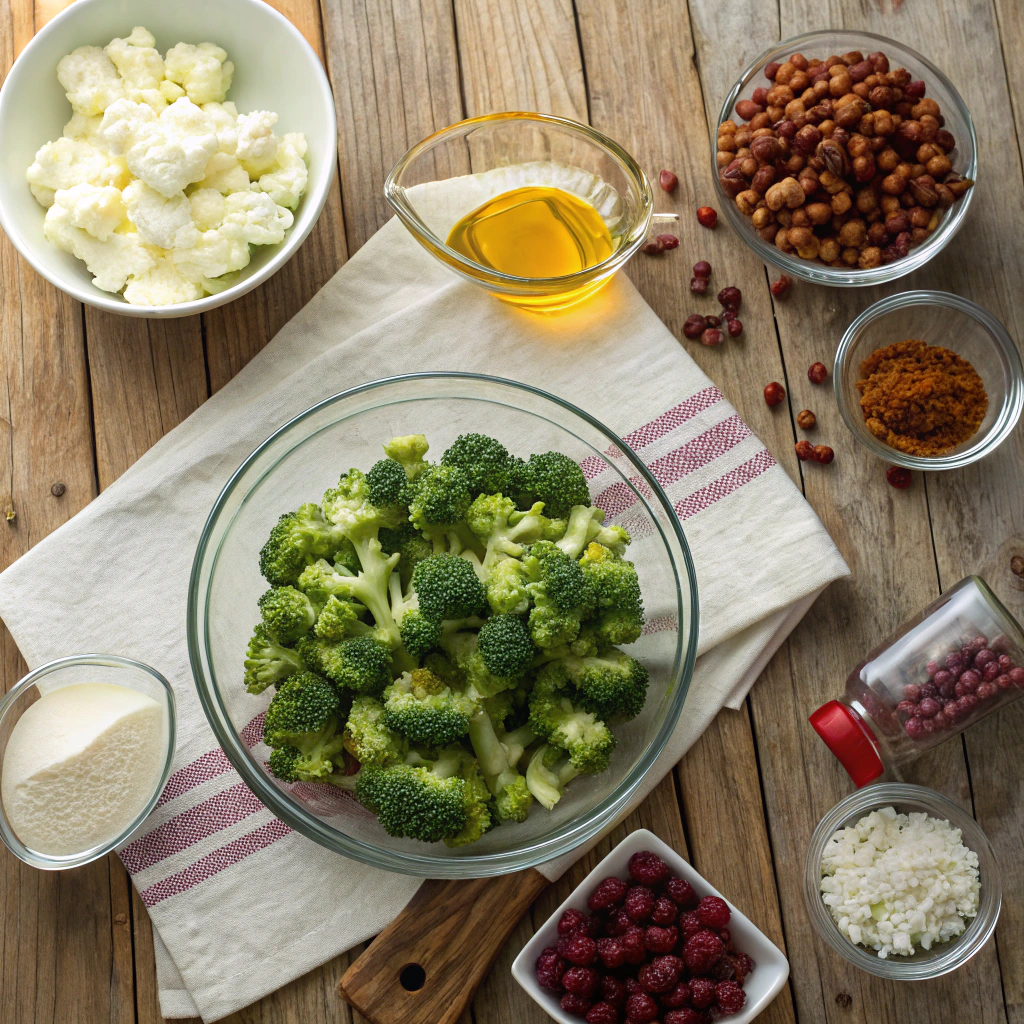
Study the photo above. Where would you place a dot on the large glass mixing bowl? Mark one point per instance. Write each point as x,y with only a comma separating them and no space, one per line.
296,464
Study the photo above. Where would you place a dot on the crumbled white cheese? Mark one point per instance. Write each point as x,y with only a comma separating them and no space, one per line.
894,882
159,184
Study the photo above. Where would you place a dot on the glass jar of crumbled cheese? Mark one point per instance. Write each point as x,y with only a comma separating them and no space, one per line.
955,662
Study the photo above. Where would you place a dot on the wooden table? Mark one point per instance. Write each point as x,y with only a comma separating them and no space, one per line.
83,394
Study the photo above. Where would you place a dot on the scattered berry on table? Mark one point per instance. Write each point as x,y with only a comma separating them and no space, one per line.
713,321
731,298
668,241
805,451
698,285
711,337
805,419
823,454
702,269
681,892
707,216
734,327
695,325
610,893
774,393
702,993
898,477
668,181
653,247
714,912
817,372
781,286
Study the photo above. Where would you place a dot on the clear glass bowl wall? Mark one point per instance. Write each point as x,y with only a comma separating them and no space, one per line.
304,458
958,121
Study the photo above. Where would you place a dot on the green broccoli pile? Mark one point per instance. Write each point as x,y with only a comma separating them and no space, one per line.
443,638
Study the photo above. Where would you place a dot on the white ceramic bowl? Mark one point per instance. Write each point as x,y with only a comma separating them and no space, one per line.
275,69
762,985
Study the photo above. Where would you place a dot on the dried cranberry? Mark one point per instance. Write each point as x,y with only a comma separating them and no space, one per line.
987,690
702,269
572,920
1005,662
898,477
712,337
707,216
573,1003
698,285
641,1008
970,680
633,946
1003,681
931,668
702,992
613,990
609,893
681,892
695,325
929,707
689,923
914,90
992,671
731,298
668,242
668,181
679,996
735,328
940,721
714,912
661,940
549,969
581,981
713,321
639,902
602,1013
684,1015
665,912
939,678
929,690
657,979
781,286
730,997
774,393
817,372
978,643
703,950
1016,676
578,949
611,952
967,703
654,247
985,657
914,727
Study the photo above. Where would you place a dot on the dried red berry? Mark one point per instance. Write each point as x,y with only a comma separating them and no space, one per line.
581,981
781,286
804,451
549,969
689,923
579,949
641,1008
609,893
713,321
702,269
735,328
730,997
684,1015
661,940
898,477
712,337
774,393
653,247
695,325
823,454
668,242
698,285
702,993
703,950
602,1013
1016,676
731,298
668,181
679,996
611,952
572,920
714,912
639,902
613,990
681,892
573,1003
817,372
707,216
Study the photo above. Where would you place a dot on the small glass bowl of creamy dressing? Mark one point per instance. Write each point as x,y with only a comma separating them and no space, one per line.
86,745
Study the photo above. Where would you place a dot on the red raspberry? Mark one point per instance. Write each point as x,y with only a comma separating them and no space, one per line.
681,893
609,893
549,969
639,902
613,991
570,921
723,970
602,1013
618,922
730,997
665,912
633,986
742,965
633,946
679,996
714,912
702,951
573,1003
702,992
661,940
641,1008
578,949
581,981
611,952
689,923
655,978
647,868
687,1015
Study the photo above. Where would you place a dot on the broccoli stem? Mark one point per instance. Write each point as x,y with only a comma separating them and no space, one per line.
493,757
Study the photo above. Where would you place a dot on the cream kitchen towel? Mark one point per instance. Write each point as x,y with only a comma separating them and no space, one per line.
241,903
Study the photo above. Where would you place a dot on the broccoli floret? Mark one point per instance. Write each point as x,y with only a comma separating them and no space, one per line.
340,618
554,717
297,539
612,685
419,705
409,452
464,651
303,717
477,802
506,531
287,613
619,614
420,635
554,479
424,800
387,486
268,662
508,787
359,663
368,738
485,461
409,544
505,586
548,773
439,497
505,646
561,594
448,587
586,524
346,559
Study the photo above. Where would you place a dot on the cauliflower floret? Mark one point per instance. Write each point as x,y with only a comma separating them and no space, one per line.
211,257
111,262
97,209
207,208
64,163
286,182
140,66
83,128
90,80
160,221
225,174
203,71
167,152
171,91
255,218
257,143
161,285
224,117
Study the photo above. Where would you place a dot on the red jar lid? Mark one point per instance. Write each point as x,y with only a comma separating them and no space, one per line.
849,738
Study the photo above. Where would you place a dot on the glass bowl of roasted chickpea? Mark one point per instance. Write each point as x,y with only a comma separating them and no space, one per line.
844,158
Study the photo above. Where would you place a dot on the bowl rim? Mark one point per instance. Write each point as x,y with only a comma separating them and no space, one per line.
573,833
820,273
1013,401
50,862
314,199
883,794
395,194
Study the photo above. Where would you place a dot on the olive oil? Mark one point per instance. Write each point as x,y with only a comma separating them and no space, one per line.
535,232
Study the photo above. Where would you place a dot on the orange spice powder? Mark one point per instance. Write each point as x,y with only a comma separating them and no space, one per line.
921,399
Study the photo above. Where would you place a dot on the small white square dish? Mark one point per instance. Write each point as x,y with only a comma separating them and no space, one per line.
761,986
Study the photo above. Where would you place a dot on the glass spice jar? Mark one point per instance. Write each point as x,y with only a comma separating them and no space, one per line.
955,662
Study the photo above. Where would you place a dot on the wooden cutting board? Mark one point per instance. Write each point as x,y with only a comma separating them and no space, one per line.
425,967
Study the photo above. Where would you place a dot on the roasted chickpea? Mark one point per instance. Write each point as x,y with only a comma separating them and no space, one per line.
870,257
841,203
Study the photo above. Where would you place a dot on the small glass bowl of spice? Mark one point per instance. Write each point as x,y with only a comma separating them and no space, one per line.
928,380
